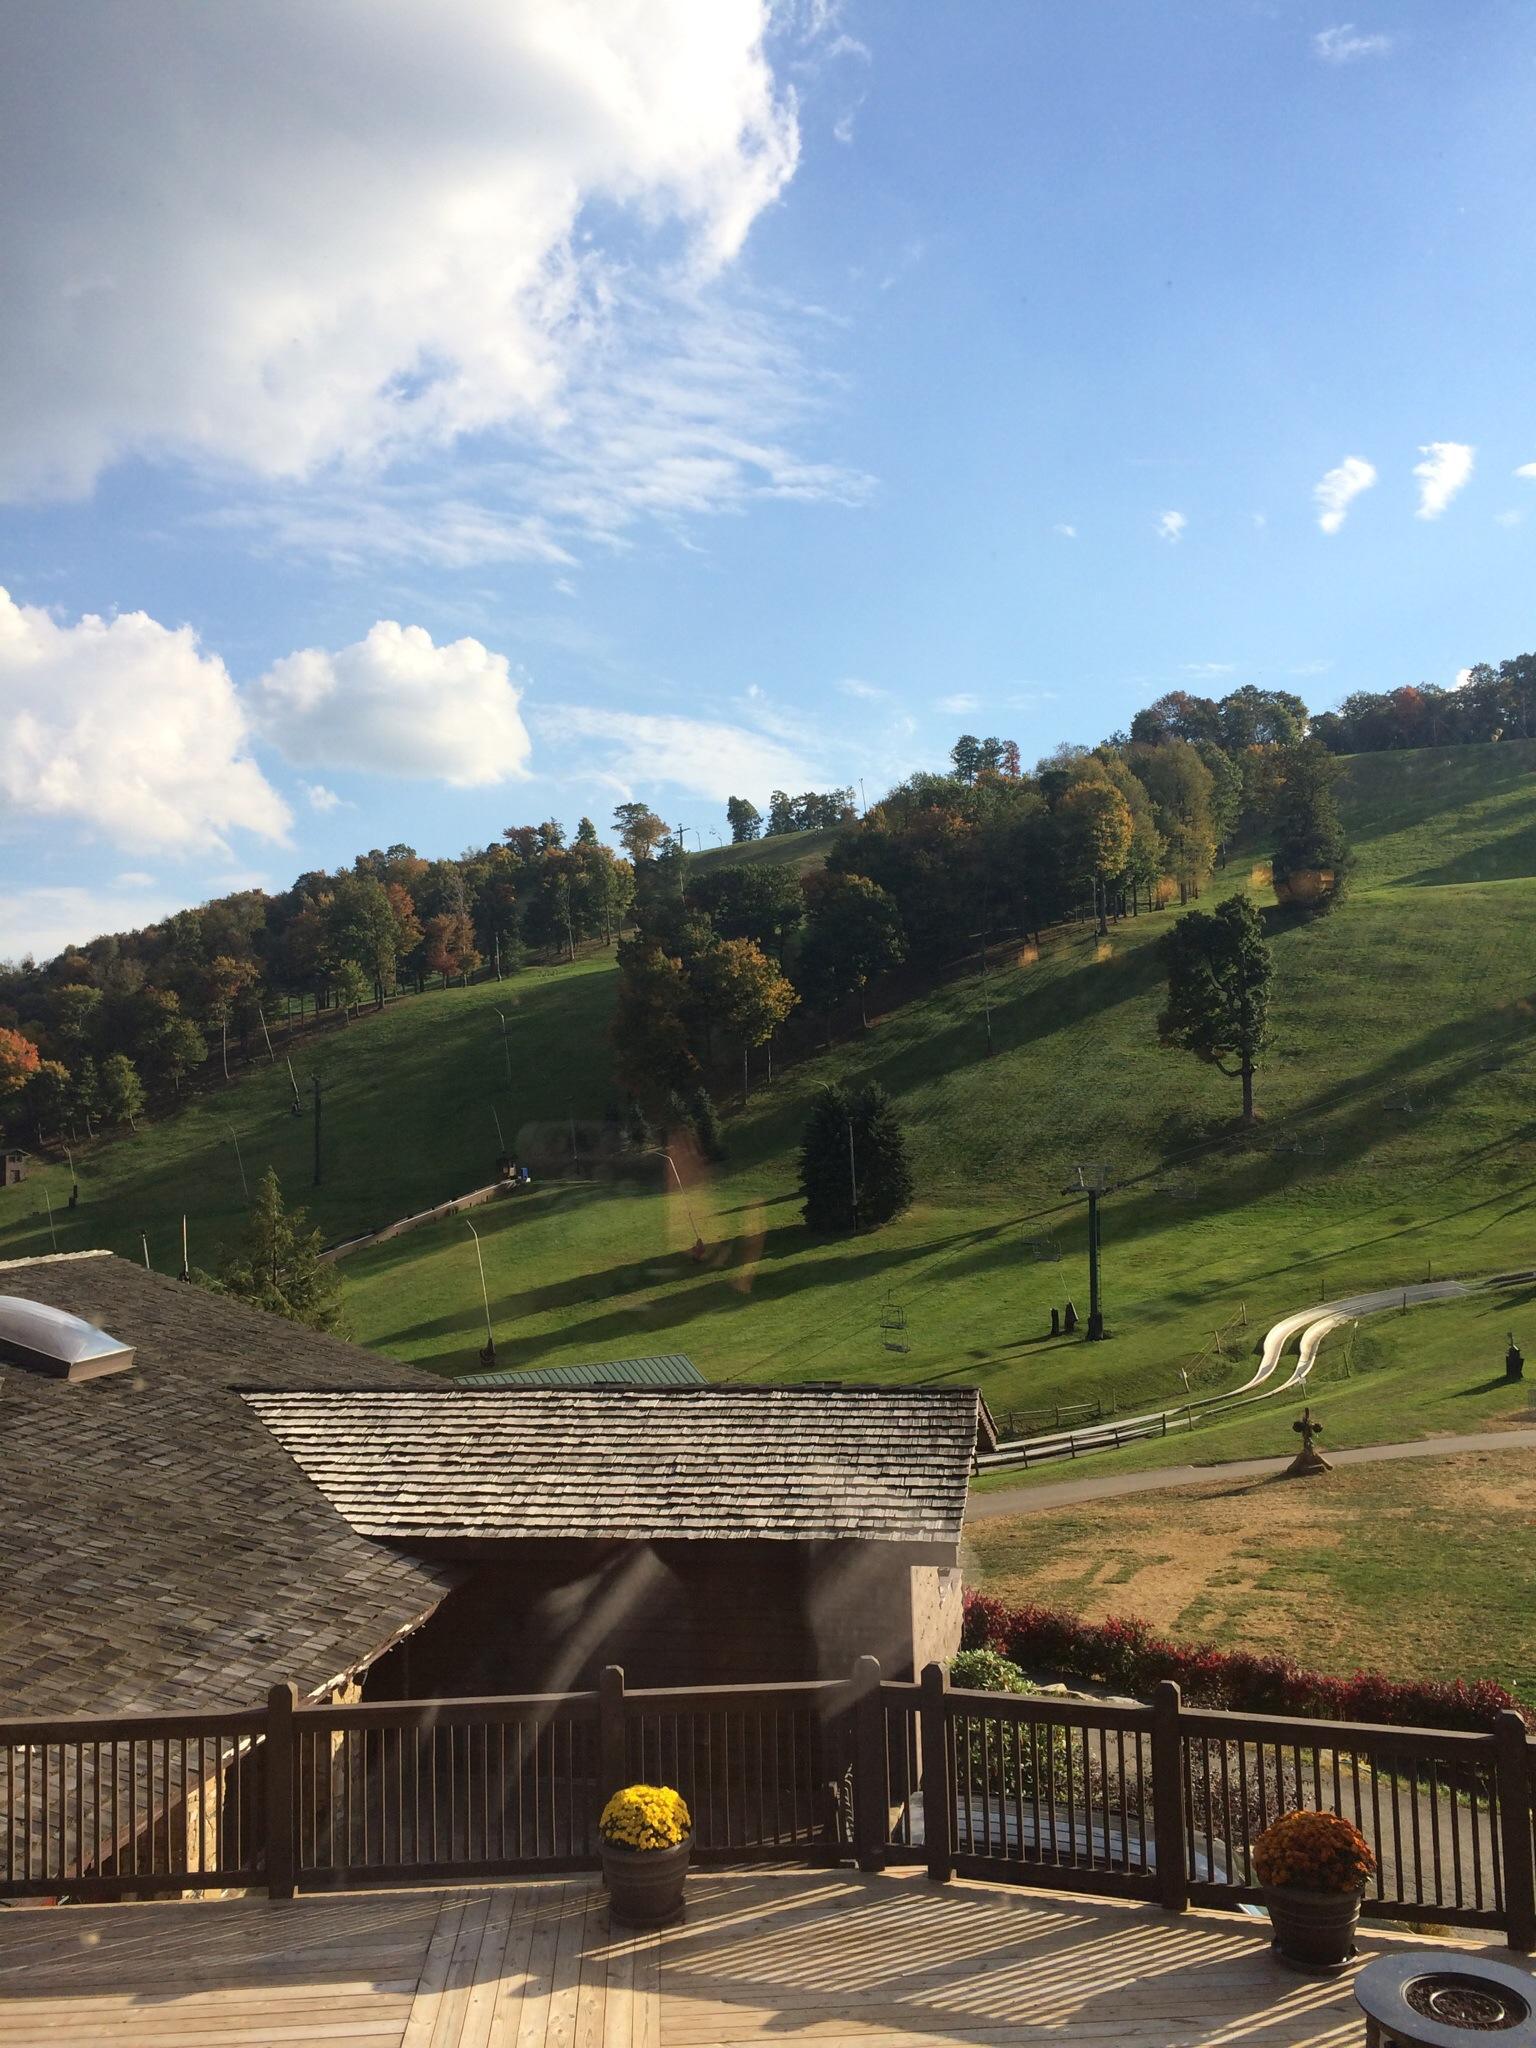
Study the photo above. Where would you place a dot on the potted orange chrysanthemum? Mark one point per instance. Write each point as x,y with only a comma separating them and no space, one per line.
1313,1867
645,1836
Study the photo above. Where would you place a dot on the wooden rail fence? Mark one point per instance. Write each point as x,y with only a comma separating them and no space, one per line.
1161,1802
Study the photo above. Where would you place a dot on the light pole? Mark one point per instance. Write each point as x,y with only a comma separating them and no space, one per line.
506,1049
1094,1182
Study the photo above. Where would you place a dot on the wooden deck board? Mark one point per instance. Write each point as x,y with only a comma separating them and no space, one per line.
830,1958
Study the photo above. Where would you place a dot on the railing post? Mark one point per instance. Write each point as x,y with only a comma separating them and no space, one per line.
1512,1771
612,1750
871,1807
1172,1878
281,1702
938,1797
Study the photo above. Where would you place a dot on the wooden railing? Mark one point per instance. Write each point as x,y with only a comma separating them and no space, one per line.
1161,1802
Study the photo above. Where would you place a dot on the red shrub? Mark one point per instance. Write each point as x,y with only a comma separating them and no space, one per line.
1125,1653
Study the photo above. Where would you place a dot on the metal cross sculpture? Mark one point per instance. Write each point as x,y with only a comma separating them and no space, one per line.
1309,1458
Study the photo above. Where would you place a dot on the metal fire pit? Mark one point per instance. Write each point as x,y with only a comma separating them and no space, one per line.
1435,1998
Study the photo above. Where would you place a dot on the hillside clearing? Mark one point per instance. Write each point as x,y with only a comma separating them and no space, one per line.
1419,1569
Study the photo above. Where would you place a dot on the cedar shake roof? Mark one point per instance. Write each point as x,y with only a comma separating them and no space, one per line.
666,1369
796,1464
158,1551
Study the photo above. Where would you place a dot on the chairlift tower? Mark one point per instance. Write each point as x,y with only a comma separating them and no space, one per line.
1092,1178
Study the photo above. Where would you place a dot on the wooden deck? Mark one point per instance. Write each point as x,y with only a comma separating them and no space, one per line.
832,1959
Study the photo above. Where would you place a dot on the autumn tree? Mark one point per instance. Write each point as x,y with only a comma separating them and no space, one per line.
1311,854
449,946
1219,973
757,901
640,830
1181,788
852,934
744,819
18,1063
122,1092
1096,824
652,1054
745,994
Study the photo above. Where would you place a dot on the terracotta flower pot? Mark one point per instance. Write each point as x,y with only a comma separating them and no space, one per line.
645,1886
1313,1929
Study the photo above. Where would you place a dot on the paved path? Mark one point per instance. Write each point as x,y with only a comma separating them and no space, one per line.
1027,1500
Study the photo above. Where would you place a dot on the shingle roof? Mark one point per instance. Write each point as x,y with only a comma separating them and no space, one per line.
790,1463
667,1369
159,1550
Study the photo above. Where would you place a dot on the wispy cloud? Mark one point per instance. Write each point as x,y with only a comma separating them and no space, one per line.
1067,531
960,701
323,799
1345,44
1513,517
1171,525
855,686
1445,468
1527,469
662,750
1337,491
1210,671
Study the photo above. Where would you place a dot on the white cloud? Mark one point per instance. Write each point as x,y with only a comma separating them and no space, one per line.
1463,677
1510,518
43,921
1067,532
323,799
1337,491
1445,468
1345,44
1526,469
395,704
1171,525
127,730
854,686
1210,670
307,236
961,701
646,750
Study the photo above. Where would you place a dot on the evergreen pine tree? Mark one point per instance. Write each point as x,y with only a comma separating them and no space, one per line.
706,1125
279,1268
825,1179
854,1169
880,1152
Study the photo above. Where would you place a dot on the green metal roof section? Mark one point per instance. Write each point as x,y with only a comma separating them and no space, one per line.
671,1369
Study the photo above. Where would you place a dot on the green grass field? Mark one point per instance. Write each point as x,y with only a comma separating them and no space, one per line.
1397,1134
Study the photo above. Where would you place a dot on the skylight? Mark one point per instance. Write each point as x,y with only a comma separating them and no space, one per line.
50,1341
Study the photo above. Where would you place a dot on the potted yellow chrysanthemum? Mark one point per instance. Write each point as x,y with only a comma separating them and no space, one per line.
1313,1867
645,1836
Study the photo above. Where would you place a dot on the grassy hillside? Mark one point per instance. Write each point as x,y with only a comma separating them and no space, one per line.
1397,1134
410,1102
786,849
1400,1071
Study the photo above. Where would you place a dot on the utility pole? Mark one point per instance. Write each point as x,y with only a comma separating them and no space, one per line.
315,1085
488,1355
1094,1182
506,1049
853,1176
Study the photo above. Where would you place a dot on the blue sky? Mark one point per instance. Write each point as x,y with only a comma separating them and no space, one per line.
764,398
